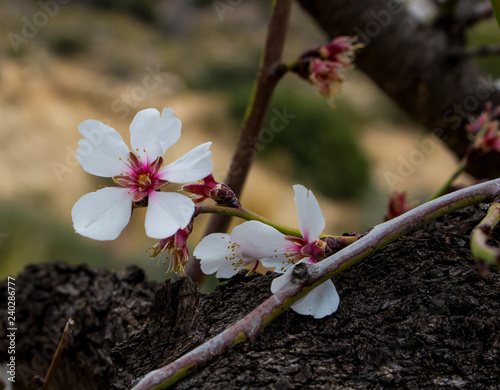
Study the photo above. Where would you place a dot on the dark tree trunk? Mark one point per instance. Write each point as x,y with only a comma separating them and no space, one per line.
416,65
416,314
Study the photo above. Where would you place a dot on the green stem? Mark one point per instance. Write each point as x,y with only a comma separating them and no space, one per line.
495,5
248,215
444,189
480,235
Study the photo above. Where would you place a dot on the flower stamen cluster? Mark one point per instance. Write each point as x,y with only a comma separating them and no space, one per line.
174,249
141,177
485,130
326,66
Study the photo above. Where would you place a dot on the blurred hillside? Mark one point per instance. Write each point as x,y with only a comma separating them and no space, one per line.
91,59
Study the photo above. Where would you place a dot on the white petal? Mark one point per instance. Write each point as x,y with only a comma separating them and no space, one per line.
101,149
311,220
257,240
167,213
194,165
320,302
102,215
151,134
280,282
279,261
215,253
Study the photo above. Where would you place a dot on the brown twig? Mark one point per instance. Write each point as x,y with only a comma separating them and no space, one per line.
269,74
479,12
481,51
63,342
380,236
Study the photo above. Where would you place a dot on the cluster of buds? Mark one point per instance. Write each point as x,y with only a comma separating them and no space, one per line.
326,66
484,131
208,188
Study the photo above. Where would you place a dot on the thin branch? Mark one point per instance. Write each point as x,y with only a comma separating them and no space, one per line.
380,236
481,51
446,186
479,12
481,234
63,342
269,74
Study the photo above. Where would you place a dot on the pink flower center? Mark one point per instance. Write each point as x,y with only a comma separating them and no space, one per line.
300,249
144,180
314,250
141,177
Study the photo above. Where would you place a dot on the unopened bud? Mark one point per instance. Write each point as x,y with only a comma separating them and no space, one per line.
332,245
209,188
224,195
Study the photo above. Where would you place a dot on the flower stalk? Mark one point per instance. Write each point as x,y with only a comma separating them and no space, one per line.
248,215
270,73
380,236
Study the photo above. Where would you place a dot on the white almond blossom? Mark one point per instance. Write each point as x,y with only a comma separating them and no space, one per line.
254,241
102,215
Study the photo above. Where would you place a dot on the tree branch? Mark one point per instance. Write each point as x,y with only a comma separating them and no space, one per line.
410,61
269,74
380,236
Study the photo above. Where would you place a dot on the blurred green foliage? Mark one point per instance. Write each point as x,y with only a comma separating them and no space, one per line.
319,143
68,45
485,33
31,234
318,147
144,9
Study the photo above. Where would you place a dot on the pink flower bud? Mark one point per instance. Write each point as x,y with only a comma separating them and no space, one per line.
209,188
398,205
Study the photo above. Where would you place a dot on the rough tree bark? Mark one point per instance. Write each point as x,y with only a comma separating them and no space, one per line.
416,65
415,315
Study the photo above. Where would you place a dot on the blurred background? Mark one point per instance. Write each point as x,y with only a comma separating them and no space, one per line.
65,61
